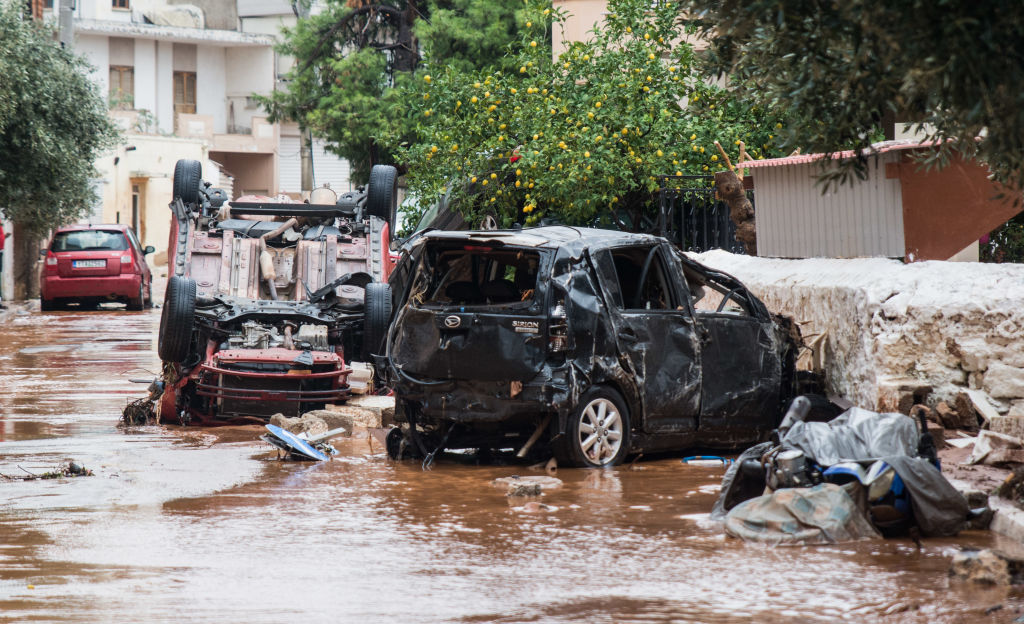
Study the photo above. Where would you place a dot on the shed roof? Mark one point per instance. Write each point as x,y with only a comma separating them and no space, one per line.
803,159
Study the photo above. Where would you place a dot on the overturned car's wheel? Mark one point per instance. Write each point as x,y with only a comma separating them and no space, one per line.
188,175
597,433
382,193
176,319
376,318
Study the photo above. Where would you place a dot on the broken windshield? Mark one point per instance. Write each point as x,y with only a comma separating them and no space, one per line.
476,275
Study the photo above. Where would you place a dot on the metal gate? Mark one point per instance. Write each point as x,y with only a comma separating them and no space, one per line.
690,216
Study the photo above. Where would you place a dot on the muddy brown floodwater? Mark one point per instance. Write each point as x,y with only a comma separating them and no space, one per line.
176,527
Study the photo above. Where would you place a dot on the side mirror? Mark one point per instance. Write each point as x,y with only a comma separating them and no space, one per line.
148,250
42,253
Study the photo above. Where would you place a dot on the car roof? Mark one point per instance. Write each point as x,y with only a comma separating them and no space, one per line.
553,237
92,226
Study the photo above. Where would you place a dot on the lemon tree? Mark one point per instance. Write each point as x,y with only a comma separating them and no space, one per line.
352,59
576,135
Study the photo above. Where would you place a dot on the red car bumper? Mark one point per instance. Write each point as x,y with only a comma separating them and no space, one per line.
105,286
238,385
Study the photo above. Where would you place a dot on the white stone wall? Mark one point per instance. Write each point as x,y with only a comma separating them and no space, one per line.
947,325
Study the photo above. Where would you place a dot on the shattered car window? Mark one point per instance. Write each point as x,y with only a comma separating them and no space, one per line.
89,240
642,280
477,275
712,296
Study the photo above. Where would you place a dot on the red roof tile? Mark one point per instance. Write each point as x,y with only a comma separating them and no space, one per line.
803,159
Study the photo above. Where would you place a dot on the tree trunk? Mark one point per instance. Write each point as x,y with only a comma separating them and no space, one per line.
741,211
25,263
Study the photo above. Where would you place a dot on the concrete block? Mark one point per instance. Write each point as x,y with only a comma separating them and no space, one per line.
367,410
1008,521
1009,425
1002,381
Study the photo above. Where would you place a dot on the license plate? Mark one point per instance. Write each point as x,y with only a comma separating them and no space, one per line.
89,264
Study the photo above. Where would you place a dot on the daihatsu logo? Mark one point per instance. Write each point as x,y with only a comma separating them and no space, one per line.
451,322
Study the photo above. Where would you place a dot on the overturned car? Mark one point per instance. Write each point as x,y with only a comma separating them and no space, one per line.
268,298
590,344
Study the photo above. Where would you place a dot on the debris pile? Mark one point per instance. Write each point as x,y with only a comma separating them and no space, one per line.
67,468
987,567
138,412
857,476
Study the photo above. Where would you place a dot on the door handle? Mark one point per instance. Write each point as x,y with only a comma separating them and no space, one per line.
628,335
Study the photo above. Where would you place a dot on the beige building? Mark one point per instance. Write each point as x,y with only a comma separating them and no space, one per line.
583,16
180,81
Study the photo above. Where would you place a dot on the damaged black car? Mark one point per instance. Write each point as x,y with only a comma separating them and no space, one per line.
587,344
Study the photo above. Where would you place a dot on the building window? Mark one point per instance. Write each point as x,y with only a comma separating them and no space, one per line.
120,4
184,92
122,87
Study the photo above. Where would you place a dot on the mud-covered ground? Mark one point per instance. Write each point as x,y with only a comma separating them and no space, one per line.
184,525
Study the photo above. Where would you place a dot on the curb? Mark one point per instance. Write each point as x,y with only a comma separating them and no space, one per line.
1008,520
16,308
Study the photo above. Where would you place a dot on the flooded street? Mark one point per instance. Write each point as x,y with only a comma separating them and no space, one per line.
207,526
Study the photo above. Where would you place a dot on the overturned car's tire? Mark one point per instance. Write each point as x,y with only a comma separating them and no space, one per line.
382,193
376,318
597,433
188,175
176,319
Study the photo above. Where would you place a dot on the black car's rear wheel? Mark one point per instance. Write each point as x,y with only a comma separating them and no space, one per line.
597,433
376,317
176,319
187,176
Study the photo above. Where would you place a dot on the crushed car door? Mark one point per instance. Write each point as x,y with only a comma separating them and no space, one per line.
740,365
656,334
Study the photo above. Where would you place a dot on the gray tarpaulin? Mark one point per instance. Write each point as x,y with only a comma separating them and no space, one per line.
939,509
862,436
823,514
855,435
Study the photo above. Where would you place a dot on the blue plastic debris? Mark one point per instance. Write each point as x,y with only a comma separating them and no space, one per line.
292,444
695,458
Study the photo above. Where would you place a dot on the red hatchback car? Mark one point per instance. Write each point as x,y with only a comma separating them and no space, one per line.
90,264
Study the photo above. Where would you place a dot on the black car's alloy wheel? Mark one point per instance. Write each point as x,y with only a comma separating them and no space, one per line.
597,433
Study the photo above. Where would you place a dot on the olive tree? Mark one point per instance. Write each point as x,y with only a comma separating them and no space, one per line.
577,136
53,126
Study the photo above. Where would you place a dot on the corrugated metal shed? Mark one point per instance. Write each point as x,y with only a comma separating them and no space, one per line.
326,167
795,220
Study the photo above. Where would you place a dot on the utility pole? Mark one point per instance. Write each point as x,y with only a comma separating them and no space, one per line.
66,22
306,161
